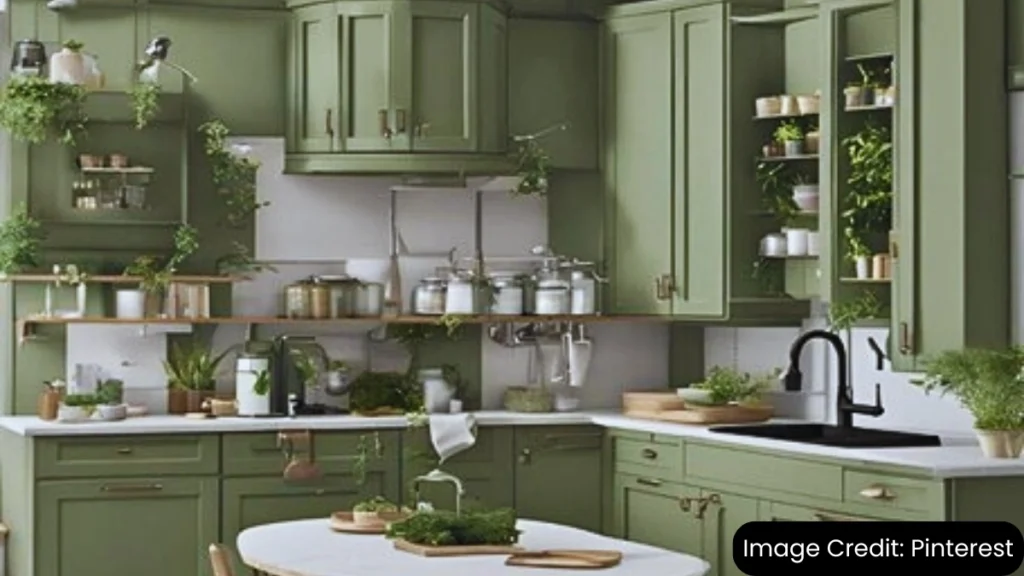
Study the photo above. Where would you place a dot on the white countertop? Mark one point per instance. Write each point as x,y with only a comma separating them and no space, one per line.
959,456
310,548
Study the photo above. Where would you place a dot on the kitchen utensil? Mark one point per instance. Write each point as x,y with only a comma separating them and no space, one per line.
567,400
551,298
429,297
583,298
369,298
343,294
508,294
773,246
297,301
593,559
551,358
112,413
319,299
393,285
579,353
796,241
461,295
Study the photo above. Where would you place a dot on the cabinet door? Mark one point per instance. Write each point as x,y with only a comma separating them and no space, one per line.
699,189
368,37
125,527
252,501
314,90
545,459
436,82
723,516
657,513
638,169
553,78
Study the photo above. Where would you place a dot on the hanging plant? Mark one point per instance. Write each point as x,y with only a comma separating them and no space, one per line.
33,110
234,174
20,238
532,168
144,97
867,203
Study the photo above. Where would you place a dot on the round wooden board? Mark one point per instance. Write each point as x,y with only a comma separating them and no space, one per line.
343,522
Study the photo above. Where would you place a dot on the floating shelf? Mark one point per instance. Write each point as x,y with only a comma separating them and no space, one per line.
801,158
867,108
102,279
109,170
793,257
872,56
866,280
801,214
374,319
785,116
779,18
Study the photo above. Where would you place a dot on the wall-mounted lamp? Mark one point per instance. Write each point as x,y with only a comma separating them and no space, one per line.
156,57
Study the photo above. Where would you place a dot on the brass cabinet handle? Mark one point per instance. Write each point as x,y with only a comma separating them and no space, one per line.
877,492
704,503
686,504
648,482
905,345
649,454
328,124
400,118
124,450
385,130
128,488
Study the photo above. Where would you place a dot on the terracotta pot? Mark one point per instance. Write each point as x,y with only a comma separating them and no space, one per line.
177,401
1001,443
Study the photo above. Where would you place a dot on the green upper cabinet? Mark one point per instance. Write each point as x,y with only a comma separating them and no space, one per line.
397,86
952,236
553,70
682,224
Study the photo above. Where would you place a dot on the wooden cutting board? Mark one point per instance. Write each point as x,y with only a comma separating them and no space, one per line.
344,522
715,415
439,551
578,559
643,402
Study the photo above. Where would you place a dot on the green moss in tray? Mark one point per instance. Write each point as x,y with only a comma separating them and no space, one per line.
443,528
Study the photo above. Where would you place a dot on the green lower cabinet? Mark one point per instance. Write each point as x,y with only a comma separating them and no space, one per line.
125,526
722,515
247,502
657,513
558,475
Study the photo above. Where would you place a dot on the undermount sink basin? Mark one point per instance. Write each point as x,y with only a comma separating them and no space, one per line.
828,435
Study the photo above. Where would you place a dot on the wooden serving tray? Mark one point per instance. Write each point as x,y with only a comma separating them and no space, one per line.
382,411
578,559
344,522
715,415
441,551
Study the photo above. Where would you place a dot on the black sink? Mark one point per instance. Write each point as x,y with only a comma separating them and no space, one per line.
827,435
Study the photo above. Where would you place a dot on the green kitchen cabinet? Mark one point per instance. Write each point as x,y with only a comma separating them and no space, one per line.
125,526
485,470
247,502
553,70
682,232
558,475
397,86
658,513
952,237
722,514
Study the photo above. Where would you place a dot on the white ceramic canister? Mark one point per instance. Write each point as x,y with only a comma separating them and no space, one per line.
429,297
369,298
460,297
131,304
437,392
584,293
773,245
551,298
796,241
508,294
248,368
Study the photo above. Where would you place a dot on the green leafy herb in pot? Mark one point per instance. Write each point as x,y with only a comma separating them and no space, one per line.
725,385
372,391
376,504
444,528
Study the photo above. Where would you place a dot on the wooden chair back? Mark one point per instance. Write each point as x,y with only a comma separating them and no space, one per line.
220,560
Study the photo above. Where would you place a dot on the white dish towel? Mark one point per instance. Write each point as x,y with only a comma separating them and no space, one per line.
452,433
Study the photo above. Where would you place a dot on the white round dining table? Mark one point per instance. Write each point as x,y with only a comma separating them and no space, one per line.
311,548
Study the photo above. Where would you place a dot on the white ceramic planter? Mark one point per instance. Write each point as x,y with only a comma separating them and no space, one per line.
73,413
863,266
131,304
808,104
1001,443
788,105
112,412
805,196
768,106
796,241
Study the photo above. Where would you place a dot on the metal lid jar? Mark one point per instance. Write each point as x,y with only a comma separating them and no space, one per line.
551,298
428,298
460,297
508,293
344,292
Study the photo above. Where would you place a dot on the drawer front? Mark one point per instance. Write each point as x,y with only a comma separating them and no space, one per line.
655,456
102,456
889,493
258,454
766,472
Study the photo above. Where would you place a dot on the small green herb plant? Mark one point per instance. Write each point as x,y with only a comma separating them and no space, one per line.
988,383
145,98
261,387
725,385
234,174
844,315
867,202
80,400
376,504
192,368
789,131
373,391
444,528
110,392
32,109
20,238
239,262
154,278
533,166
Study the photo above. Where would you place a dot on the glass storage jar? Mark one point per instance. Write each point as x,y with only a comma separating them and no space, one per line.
551,298
297,301
461,295
429,297
507,294
343,294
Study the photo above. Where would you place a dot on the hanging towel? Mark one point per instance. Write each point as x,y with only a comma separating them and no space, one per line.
452,433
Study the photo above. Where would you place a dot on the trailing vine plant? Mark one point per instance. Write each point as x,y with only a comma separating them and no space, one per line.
533,165
234,174
33,110
144,97
20,238
239,262
867,203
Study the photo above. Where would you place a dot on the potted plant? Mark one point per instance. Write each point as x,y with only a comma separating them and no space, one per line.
776,195
724,386
805,193
191,376
866,215
144,301
144,97
990,384
76,407
812,139
375,511
791,136
110,397
234,174
33,109
20,238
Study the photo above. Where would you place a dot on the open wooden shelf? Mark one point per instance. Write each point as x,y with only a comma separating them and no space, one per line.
106,279
407,319
786,116
866,280
109,170
799,158
868,108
